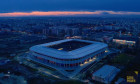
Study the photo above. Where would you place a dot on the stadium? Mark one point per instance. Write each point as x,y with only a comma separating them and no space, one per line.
68,56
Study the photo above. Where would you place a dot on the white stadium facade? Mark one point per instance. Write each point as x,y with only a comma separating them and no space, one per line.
68,56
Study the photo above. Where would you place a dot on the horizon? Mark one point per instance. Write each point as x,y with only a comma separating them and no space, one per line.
22,8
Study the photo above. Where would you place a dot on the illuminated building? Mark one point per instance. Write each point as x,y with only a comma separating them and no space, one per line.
74,37
68,56
125,41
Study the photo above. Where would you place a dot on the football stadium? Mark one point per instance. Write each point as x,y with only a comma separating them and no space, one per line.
68,56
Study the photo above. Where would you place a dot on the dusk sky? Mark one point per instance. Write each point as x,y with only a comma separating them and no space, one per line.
68,7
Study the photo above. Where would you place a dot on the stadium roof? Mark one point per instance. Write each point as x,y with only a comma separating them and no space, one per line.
88,47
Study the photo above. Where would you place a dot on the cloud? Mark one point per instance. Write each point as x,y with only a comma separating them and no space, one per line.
66,13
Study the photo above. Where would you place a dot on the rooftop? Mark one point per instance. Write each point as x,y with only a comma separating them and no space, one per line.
127,38
79,48
69,45
106,71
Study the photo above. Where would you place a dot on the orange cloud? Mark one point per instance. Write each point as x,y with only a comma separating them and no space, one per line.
49,13
66,13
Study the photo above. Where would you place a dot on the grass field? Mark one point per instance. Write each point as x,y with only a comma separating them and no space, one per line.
122,59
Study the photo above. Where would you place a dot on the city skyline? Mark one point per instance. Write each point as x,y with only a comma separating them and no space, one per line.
69,41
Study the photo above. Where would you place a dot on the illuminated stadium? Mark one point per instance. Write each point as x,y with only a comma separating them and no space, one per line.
68,56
